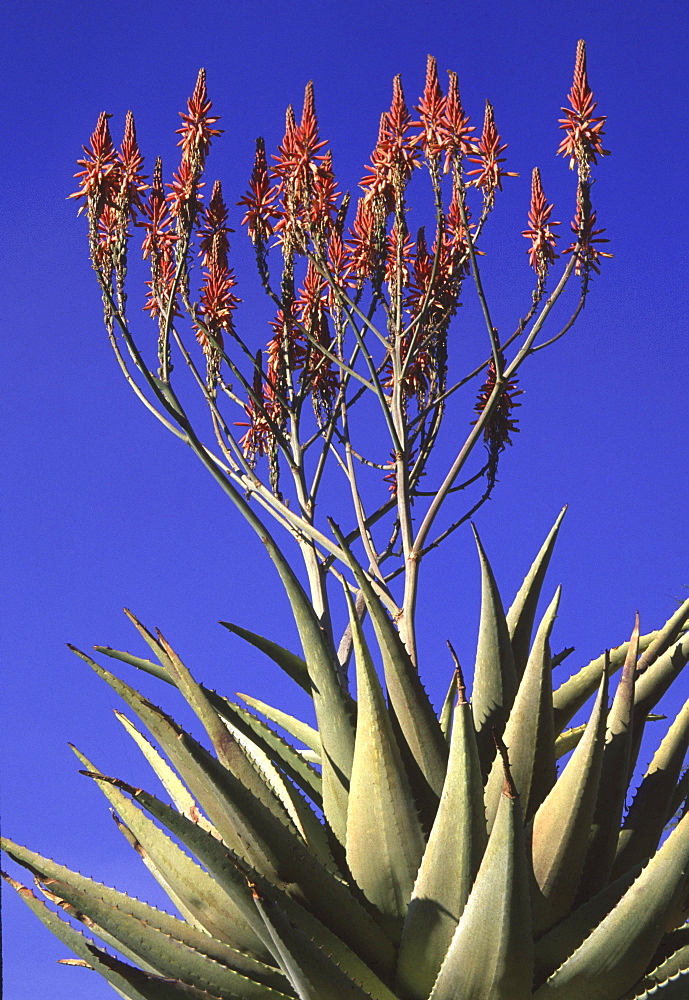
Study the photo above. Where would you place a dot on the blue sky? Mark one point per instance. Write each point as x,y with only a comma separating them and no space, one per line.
103,510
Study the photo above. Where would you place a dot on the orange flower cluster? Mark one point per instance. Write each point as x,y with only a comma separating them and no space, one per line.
489,173
217,301
583,139
542,250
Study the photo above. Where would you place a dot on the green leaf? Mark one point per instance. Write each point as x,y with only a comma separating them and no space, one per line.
491,953
295,727
560,830
522,613
450,862
196,894
314,974
575,692
384,837
166,945
651,808
618,951
529,731
613,781
495,676
132,983
411,704
292,664
351,937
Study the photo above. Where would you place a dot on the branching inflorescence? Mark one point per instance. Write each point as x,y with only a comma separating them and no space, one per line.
362,311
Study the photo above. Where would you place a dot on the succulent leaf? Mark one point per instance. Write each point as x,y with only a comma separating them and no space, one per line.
450,862
522,613
293,665
617,953
491,953
495,675
529,731
385,841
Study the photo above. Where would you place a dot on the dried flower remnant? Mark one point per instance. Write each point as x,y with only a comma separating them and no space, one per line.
583,132
501,424
542,250
489,173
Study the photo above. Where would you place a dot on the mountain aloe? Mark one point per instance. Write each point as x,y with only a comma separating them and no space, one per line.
389,852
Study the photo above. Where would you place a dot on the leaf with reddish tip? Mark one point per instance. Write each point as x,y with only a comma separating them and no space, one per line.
163,944
130,982
614,779
651,808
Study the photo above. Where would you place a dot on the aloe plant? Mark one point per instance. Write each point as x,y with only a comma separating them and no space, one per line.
389,852
504,880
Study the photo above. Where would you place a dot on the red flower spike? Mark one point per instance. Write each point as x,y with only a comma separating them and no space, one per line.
156,218
185,198
341,267
109,236
583,139
455,127
502,424
360,246
101,173
132,180
583,226
259,199
431,109
214,245
542,250
400,248
163,276
489,174
255,442
217,303
395,155
197,130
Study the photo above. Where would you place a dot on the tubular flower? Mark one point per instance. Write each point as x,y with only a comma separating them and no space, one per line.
297,168
323,203
311,312
259,199
489,174
99,179
159,246
197,130
362,243
398,262
132,182
542,250
185,197
583,132
109,237
583,226
455,235
455,127
501,424
396,153
255,443
341,268
217,303
214,245
156,217
431,110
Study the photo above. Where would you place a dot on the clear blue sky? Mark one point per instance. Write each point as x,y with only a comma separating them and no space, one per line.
103,510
